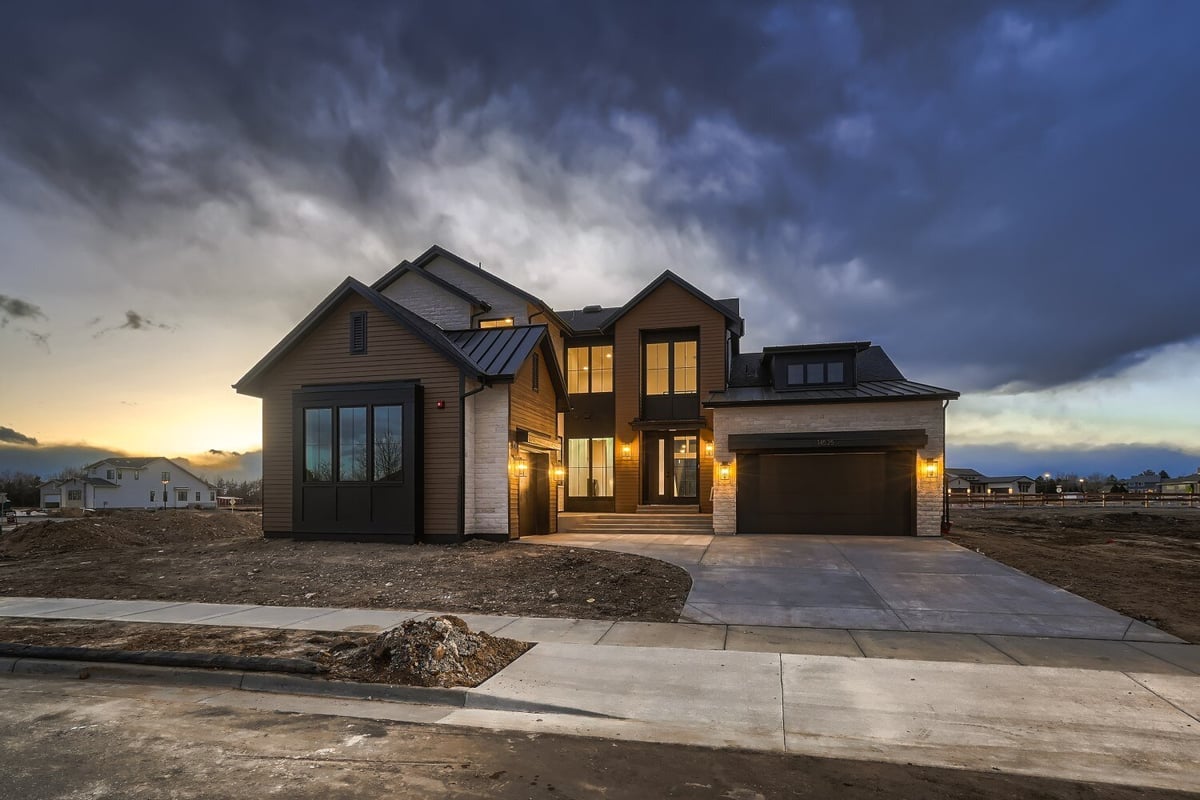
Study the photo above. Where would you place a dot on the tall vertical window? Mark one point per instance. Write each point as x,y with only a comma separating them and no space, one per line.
389,452
318,444
658,368
590,369
685,367
352,444
590,467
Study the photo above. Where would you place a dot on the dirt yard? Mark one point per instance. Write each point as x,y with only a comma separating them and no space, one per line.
221,557
1144,563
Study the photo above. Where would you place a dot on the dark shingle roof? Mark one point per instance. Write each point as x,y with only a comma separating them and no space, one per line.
125,463
582,320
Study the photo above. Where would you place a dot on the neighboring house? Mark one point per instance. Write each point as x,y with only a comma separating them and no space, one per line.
969,481
442,401
829,439
151,482
1188,484
1142,483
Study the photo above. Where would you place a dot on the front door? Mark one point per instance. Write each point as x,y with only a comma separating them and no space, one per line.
672,467
533,498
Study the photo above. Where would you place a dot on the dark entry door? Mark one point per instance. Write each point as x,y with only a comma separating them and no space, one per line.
672,467
533,501
826,493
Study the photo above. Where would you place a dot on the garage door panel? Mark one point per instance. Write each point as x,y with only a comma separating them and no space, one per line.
826,493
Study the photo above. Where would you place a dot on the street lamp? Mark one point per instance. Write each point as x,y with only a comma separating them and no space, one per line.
164,483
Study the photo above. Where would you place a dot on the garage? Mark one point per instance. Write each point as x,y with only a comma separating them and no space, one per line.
863,493
828,483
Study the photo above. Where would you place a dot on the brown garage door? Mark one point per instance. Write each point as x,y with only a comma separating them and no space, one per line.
826,493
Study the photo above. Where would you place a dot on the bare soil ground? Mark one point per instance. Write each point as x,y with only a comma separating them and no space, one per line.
441,651
1144,563
221,557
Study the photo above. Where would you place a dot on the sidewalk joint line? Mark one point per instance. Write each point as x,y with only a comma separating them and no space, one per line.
1186,713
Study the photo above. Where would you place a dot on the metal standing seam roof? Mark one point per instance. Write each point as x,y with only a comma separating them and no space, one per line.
864,390
497,351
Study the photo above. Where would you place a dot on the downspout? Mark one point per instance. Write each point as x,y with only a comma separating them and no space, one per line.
463,394
945,475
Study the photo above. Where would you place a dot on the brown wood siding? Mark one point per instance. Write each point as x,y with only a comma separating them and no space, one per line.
667,307
393,353
534,411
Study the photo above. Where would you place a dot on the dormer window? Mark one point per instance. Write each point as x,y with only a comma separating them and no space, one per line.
819,373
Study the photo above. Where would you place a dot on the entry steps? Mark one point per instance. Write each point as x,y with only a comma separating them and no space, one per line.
680,523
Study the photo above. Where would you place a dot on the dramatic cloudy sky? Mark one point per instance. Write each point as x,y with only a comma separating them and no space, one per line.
1002,194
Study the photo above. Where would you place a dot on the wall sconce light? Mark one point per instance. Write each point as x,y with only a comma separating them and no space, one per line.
522,468
559,472
931,468
626,450
708,449
723,472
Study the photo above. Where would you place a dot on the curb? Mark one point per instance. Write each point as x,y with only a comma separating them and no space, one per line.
274,683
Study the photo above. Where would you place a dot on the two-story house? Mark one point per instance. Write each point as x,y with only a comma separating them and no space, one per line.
443,401
149,482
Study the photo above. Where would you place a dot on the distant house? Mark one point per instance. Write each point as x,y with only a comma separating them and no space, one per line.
151,482
1188,484
969,481
1142,483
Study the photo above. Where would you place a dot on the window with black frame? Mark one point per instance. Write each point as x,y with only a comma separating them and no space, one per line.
370,444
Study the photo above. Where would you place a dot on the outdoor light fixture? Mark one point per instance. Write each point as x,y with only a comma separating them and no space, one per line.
708,448
558,474
931,468
522,467
626,450
723,472
164,483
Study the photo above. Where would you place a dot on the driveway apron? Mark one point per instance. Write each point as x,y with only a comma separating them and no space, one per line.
866,583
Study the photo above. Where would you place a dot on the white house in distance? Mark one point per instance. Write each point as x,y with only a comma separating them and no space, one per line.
151,482
969,481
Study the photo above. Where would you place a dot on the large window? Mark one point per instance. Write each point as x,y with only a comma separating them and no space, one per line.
352,444
589,369
388,443
318,444
671,367
590,467
370,446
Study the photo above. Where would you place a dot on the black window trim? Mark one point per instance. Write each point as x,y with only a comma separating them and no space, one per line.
670,337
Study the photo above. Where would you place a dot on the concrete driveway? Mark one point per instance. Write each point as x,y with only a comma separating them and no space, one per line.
866,583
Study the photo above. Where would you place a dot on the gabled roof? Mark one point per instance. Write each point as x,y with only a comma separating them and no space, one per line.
588,318
490,355
734,322
423,260
422,328
405,268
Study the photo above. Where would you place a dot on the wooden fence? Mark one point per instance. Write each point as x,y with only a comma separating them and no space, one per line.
1138,500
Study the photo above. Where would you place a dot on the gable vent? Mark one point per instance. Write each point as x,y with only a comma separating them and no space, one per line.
358,332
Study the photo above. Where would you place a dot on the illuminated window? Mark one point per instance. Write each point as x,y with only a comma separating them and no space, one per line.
602,362
506,322
590,467
658,368
685,367
590,369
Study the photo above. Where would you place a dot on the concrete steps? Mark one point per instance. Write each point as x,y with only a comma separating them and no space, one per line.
645,522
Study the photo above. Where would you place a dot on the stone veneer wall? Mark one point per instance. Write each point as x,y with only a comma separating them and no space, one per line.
488,462
925,414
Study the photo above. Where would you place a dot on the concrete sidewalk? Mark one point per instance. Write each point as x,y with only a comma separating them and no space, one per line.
1138,729
1151,657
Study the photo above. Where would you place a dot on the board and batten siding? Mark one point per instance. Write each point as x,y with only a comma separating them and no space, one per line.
533,411
393,354
667,307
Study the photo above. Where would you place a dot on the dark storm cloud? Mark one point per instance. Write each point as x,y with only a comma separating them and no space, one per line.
998,192
9,436
16,308
134,322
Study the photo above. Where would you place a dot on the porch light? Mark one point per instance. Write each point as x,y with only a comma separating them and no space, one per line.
559,472
626,450
522,468
708,448
931,468
723,472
